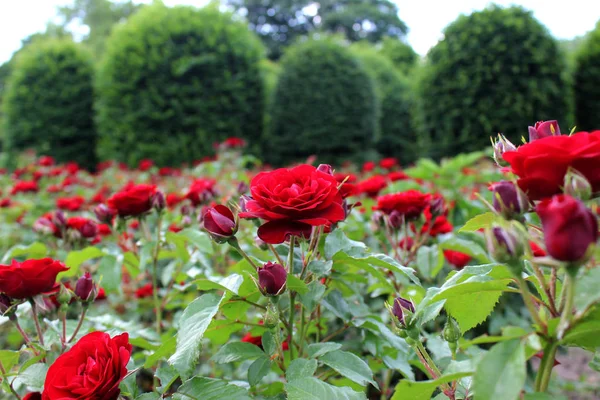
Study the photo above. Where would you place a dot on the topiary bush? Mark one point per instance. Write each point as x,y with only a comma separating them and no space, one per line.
587,83
497,70
48,102
397,136
324,104
176,80
401,54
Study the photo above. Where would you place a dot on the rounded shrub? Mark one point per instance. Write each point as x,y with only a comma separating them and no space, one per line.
324,104
497,70
176,80
401,54
587,83
397,136
48,102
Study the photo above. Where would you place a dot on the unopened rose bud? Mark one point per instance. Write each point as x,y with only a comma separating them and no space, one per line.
576,185
59,219
271,317
158,201
437,207
271,279
543,129
509,200
89,229
504,245
84,289
451,332
401,308
501,146
64,295
396,220
242,188
219,222
5,303
104,214
325,168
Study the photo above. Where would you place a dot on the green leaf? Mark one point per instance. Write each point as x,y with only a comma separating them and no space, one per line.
410,390
314,389
9,359
77,257
230,283
349,365
320,268
484,220
194,321
316,350
586,289
180,245
430,261
296,284
198,239
543,396
269,344
585,334
33,377
146,254
199,388
165,349
428,312
466,246
300,368
34,250
166,375
313,296
110,272
337,241
501,372
258,369
236,351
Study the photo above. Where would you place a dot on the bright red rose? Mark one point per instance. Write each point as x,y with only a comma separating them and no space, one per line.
388,163
292,201
5,203
145,291
397,176
25,187
371,186
536,249
201,191
232,143
368,166
70,203
145,165
255,340
456,258
86,227
409,204
174,228
133,201
72,168
570,228
542,164
46,161
174,199
22,280
92,369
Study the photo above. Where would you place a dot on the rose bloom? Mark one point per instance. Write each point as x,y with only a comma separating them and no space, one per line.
410,204
348,187
371,186
542,164
201,191
23,280
397,176
388,163
173,199
86,227
70,203
368,166
292,201
145,165
91,370
25,187
133,200
145,291
457,259
46,161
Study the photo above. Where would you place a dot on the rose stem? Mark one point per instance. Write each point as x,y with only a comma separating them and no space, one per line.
81,318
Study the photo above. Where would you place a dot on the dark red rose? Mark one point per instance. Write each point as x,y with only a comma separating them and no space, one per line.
541,165
409,204
25,187
5,203
388,163
543,129
400,307
84,287
406,243
92,369
174,228
292,201
86,227
133,201
145,291
22,280
372,186
219,222
174,199
70,203
570,228
456,258
33,396
272,278
201,191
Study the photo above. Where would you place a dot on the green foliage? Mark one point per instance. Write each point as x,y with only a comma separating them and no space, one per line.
48,103
587,83
327,106
397,135
176,80
401,54
497,70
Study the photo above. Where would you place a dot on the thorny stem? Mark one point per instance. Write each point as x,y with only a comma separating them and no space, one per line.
527,298
24,334
430,364
275,253
81,318
542,281
36,321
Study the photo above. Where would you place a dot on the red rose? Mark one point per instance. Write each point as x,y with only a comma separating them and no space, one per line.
145,165
388,163
46,161
219,222
92,369
570,228
70,203
397,176
255,340
145,291
542,164
536,250
173,199
348,187
409,204
368,166
5,203
372,186
86,227
201,191
22,280
25,187
456,258
292,201
133,201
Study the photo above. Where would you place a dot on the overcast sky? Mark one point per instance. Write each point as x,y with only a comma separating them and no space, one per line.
425,18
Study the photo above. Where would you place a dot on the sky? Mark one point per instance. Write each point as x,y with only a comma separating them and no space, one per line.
425,18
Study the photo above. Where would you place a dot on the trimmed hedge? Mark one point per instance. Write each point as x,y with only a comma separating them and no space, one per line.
397,135
176,80
587,83
48,103
324,104
498,70
401,54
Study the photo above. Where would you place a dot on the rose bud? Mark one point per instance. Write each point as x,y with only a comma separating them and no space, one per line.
451,332
509,200
185,210
242,188
437,207
158,201
502,145
570,228
89,229
104,214
64,295
44,226
543,129
219,222
243,201
396,220
85,288
504,245
401,306
326,169
271,279
576,185
59,219
5,303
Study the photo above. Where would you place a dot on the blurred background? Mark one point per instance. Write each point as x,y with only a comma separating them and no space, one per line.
345,80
